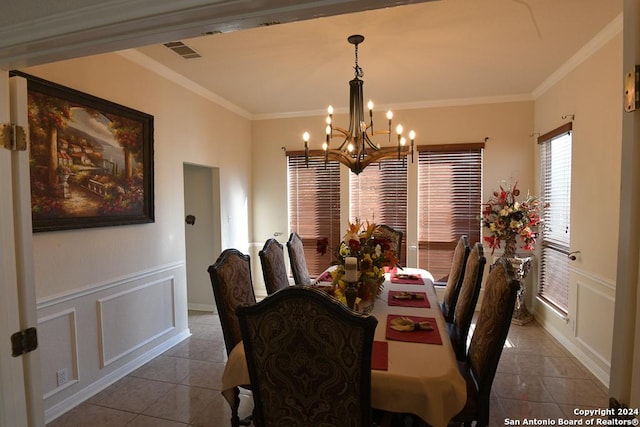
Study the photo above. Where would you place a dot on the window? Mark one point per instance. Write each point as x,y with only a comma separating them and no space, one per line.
314,205
555,173
379,194
449,203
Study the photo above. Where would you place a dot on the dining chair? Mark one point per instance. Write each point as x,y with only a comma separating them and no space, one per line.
274,269
232,285
456,274
394,237
487,341
297,260
467,301
309,359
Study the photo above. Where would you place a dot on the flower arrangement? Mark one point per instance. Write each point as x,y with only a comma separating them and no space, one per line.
507,218
372,253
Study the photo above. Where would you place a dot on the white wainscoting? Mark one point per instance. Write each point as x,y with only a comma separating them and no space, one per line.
100,333
586,333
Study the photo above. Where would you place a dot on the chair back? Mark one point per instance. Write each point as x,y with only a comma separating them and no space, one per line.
297,260
394,237
467,300
456,274
491,331
309,359
274,269
232,286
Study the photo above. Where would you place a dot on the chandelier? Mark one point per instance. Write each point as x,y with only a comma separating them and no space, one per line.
357,150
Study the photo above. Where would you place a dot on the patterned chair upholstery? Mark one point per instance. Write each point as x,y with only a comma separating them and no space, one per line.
456,274
297,260
467,300
309,360
274,269
394,237
489,335
232,286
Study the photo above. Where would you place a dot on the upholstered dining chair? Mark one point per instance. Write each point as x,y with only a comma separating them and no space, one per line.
487,341
274,269
456,274
394,237
309,359
232,286
467,300
297,260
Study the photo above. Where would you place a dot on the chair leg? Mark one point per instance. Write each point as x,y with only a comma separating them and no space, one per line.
235,420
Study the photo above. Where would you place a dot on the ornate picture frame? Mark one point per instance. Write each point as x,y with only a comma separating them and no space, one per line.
91,160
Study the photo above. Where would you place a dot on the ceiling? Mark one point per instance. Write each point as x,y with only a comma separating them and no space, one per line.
447,51
421,53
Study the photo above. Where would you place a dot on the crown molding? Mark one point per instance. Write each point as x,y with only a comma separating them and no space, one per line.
596,43
155,67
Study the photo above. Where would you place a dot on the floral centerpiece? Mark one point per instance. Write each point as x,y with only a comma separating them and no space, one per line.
371,255
507,219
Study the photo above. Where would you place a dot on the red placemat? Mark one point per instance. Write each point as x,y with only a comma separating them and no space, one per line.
380,356
389,270
426,337
424,302
325,277
413,279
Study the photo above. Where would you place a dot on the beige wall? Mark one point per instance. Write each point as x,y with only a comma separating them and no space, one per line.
188,129
592,92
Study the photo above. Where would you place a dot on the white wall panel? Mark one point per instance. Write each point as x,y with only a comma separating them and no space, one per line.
130,319
57,340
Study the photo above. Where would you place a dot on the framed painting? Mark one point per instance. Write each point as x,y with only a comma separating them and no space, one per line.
91,160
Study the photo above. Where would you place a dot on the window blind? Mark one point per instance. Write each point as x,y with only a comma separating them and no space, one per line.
314,206
379,194
449,203
555,173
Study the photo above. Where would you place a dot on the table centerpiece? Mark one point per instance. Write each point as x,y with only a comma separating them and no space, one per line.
361,259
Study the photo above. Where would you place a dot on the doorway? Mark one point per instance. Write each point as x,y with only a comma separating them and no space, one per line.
202,232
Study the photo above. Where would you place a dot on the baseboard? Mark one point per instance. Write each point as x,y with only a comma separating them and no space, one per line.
94,388
211,308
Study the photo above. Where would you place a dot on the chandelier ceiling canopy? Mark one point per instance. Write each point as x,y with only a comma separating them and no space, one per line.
357,149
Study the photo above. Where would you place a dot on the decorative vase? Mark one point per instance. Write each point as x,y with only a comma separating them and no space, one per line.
350,294
510,247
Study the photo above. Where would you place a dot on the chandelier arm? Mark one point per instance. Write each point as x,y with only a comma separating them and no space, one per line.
384,153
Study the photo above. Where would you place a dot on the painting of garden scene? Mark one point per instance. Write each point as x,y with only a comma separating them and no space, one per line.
90,160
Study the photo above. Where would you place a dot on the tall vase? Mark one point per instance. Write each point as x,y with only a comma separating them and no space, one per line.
521,265
510,247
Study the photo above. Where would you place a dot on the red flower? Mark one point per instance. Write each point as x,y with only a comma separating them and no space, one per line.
321,245
354,245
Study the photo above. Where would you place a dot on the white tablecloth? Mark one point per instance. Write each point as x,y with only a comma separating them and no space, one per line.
422,379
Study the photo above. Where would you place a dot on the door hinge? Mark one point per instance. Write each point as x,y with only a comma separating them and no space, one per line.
24,341
13,137
632,90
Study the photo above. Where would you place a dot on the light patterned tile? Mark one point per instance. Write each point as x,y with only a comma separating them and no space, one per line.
133,395
576,392
87,414
182,403
164,368
522,387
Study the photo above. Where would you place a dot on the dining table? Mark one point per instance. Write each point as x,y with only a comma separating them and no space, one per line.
412,372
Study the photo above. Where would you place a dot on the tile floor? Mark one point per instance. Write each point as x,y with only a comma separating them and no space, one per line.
537,378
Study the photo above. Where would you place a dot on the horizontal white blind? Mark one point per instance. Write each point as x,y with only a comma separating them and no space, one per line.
314,206
449,203
555,164
379,194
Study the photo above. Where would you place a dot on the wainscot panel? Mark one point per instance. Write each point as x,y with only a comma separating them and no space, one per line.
92,337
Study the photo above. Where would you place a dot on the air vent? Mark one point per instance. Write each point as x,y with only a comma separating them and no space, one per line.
183,50
270,23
